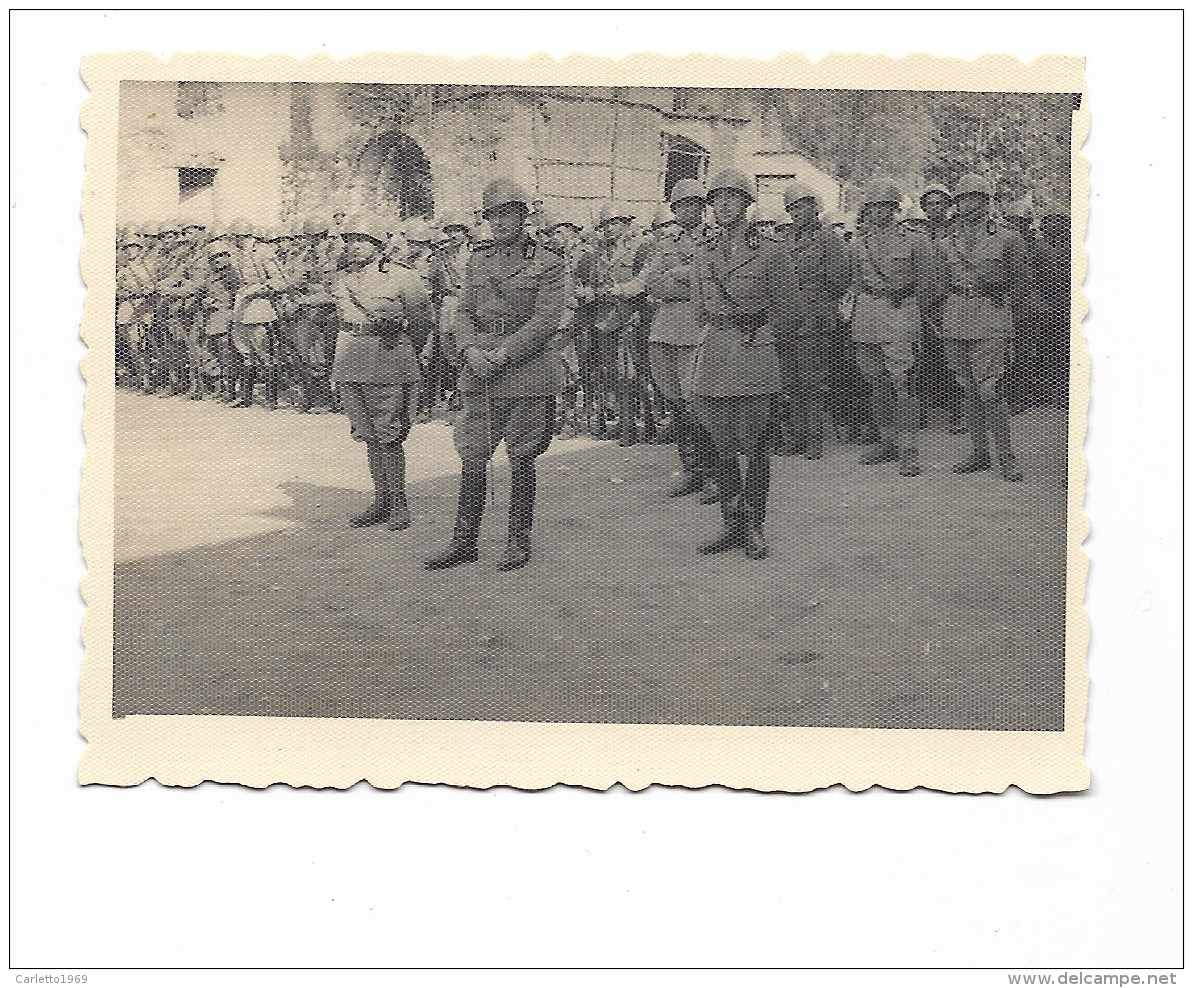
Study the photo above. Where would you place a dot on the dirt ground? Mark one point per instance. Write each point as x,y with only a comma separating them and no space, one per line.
933,602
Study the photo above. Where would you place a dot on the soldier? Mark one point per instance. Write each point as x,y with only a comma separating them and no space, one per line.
509,312
1023,375
1055,301
989,281
740,283
566,237
221,288
312,308
385,314
894,273
937,386
136,297
610,291
255,318
675,335
453,258
181,289
809,337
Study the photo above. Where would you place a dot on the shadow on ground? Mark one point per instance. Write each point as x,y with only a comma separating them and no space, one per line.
936,602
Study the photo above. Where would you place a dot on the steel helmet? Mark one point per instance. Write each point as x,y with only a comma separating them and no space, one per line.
972,184
834,219
797,191
915,214
314,226
881,190
733,178
482,233
935,187
686,188
1022,209
759,212
454,219
240,227
611,211
501,192
418,231
368,227
662,216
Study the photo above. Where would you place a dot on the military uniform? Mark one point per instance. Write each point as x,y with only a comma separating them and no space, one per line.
384,312
988,282
741,280
894,276
312,308
810,335
222,287
254,322
674,337
510,310
136,290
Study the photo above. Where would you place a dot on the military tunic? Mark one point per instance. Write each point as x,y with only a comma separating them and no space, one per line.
376,366
674,331
989,279
740,280
511,304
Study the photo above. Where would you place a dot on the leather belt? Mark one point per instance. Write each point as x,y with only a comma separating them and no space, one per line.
748,320
501,326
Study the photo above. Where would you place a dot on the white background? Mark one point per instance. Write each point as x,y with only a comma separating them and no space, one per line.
431,876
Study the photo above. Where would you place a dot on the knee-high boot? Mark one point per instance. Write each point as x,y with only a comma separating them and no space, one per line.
975,418
691,481
522,490
248,381
732,523
999,419
907,424
471,506
754,500
378,511
393,459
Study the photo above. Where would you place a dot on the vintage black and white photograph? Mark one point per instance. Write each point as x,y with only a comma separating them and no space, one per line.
582,404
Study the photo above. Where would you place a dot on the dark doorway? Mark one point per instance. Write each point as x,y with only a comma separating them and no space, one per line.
685,159
396,166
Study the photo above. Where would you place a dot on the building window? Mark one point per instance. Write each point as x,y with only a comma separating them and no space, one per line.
685,159
194,182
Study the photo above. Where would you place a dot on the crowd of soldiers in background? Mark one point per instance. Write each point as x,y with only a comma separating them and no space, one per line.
244,315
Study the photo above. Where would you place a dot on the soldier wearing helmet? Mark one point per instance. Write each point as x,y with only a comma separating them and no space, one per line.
741,281
809,335
452,255
136,299
255,316
895,278
937,386
675,335
611,293
989,281
384,315
509,313
218,302
311,312
421,257
1054,252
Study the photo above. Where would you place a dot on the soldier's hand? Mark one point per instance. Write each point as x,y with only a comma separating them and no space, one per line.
478,362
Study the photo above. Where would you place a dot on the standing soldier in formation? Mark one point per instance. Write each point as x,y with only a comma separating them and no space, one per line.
675,335
989,282
509,312
740,283
1055,301
894,272
312,308
385,313
136,297
809,336
453,258
254,321
223,285
937,383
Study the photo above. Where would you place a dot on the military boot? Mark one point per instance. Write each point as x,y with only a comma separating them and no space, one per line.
978,460
879,452
757,490
732,526
626,420
521,520
909,461
998,418
1008,466
471,506
248,381
378,511
814,449
393,459
271,388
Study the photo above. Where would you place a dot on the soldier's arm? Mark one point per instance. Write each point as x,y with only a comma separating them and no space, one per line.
529,340
927,281
464,324
837,268
1019,286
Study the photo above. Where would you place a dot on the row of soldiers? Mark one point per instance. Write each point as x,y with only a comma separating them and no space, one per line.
629,323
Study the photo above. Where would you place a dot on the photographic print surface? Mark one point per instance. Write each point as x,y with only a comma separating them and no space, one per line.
569,425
